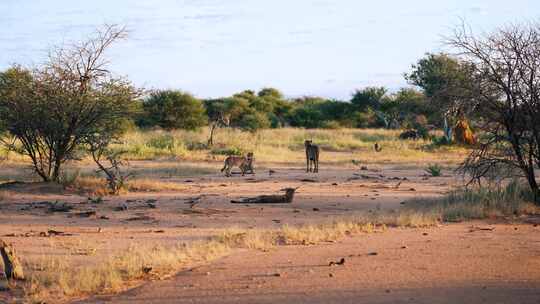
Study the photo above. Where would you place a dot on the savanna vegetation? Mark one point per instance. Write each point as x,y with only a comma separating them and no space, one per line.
73,105
478,111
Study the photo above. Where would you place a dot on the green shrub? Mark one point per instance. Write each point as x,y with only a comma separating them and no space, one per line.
163,145
307,116
174,110
164,142
434,170
254,121
228,151
441,141
332,124
193,146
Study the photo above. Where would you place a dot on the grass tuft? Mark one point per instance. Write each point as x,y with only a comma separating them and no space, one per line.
53,278
434,170
514,199
302,235
151,185
97,186
5,195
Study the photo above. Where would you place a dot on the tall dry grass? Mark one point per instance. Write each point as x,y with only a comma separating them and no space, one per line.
286,144
301,235
56,280
97,186
512,199
5,195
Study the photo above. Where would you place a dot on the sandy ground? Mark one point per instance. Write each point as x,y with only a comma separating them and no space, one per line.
456,263
450,264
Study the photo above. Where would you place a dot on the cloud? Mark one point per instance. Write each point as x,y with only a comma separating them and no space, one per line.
301,32
209,17
478,10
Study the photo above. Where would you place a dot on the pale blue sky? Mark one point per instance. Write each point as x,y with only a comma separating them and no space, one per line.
218,47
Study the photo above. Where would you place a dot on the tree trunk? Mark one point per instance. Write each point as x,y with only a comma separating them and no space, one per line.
12,266
534,187
537,197
56,171
211,139
531,179
39,169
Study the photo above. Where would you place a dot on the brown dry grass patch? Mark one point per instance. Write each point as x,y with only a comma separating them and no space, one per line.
97,186
151,185
56,280
301,235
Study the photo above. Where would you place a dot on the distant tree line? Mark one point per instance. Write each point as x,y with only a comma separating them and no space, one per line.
371,107
437,82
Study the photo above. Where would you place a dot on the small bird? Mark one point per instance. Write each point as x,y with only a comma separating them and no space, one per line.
377,147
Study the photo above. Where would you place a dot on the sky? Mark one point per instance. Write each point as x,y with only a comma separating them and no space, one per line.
215,48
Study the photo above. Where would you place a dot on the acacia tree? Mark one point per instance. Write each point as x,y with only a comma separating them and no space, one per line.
63,106
505,89
219,114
